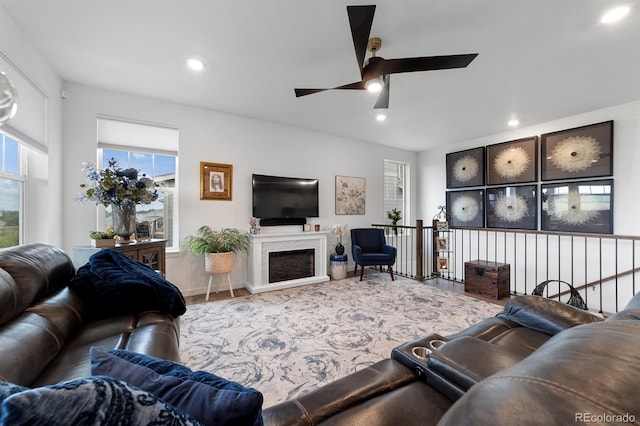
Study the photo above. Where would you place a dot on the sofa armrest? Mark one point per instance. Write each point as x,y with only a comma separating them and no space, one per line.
467,360
547,316
340,395
390,250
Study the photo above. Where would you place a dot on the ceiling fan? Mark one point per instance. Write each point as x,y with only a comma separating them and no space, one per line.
375,73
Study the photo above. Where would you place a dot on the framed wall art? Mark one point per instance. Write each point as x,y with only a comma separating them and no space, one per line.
513,207
350,195
465,168
585,151
466,208
585,206
513,162
216,181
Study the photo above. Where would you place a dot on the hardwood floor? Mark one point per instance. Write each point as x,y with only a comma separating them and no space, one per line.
454,287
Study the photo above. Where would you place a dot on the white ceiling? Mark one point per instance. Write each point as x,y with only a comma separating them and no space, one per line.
538,60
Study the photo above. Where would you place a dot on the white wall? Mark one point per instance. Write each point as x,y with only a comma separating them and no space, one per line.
626,167
251,146
42,194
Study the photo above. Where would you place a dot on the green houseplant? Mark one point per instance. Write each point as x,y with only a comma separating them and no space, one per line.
217,246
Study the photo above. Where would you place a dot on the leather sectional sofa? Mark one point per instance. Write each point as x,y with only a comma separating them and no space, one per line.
538,362
46,330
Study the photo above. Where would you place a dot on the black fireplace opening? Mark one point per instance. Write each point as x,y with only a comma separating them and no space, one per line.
291,265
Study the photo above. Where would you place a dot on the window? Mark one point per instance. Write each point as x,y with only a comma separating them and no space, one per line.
151,150
396,184
12,182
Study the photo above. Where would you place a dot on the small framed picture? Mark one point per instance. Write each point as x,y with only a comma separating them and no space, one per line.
143,231
443,243
216,181
442,226
443,264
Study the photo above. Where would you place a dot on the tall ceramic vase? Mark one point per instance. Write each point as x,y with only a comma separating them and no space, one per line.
124,220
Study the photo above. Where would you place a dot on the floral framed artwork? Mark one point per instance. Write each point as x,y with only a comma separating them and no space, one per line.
350,195
585,206
514,207
466,208
513,162
216,181
581,152
465,168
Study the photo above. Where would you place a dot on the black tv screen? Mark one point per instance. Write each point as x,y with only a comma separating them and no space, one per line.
276,197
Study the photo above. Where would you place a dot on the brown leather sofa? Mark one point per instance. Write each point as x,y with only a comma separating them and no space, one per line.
46,330
539,362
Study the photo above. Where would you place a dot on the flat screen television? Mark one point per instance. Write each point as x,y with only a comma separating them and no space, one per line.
279,200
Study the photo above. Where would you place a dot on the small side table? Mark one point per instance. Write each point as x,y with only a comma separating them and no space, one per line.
338,266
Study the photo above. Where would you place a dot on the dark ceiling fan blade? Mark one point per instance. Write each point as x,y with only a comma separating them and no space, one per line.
383,98
360,21
358,85
428,63
305,92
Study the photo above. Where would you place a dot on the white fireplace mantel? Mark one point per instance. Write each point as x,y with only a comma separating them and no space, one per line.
265,243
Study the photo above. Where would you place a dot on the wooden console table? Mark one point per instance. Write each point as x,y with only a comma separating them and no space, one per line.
151,252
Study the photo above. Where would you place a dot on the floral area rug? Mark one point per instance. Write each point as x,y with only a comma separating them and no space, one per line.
287,342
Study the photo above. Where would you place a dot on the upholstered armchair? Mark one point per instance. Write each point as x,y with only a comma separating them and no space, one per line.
369,248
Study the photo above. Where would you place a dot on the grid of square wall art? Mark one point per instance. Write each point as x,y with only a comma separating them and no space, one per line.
560,181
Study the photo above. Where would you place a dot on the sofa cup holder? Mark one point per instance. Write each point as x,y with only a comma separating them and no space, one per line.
421,352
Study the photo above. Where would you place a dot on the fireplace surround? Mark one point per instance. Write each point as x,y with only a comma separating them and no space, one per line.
302,258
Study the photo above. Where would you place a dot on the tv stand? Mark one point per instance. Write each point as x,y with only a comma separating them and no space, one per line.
280,221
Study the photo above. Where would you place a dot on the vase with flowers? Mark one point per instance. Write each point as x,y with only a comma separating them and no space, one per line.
122,189
338,230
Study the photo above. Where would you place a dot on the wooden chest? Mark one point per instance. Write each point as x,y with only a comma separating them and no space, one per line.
489,279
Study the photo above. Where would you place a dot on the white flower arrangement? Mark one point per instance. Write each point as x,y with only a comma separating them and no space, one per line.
338,230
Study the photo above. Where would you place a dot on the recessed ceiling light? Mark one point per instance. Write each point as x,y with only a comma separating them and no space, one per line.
513,122
614,14
195,64
381,117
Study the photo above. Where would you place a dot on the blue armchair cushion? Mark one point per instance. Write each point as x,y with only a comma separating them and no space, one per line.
210,399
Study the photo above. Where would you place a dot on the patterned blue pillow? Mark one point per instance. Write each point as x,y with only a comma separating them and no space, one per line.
6,390
205,396
90,401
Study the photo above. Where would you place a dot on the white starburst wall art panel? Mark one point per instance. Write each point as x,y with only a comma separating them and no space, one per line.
585,206
513,207
581,152
513,162
465,168
466,208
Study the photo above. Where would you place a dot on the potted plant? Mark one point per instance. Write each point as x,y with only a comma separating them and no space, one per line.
102,239
217,246
394,215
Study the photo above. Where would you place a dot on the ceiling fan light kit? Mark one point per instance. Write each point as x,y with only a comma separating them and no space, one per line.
376,70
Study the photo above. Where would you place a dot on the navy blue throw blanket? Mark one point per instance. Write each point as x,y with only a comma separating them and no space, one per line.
111,283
